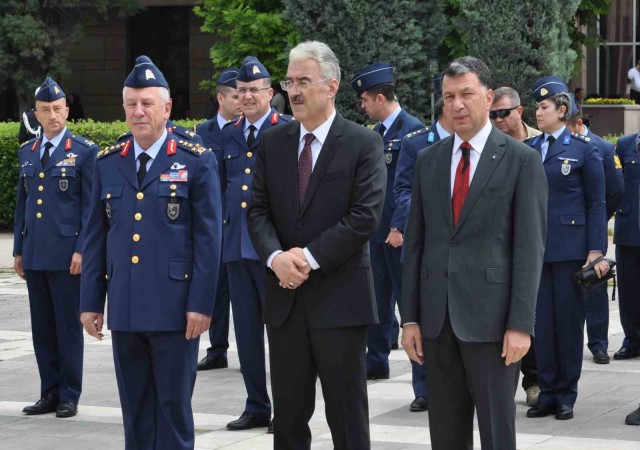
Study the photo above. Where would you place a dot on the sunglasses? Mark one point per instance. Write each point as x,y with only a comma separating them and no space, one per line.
502,113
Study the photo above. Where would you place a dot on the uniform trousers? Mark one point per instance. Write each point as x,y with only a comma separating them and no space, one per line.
597,317
246,288
219,330
628,270
54,301
156,374
559,331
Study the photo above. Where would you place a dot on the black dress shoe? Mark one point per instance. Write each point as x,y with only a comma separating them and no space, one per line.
374,375
601,357
47,404
418,405
564,412
247,421
633,418
626,353
67,409
541,410
270,427
213,362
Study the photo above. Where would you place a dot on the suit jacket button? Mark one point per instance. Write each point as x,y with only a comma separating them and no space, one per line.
300,226
446,274
452,243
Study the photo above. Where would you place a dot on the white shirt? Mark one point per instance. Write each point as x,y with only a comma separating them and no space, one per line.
320,133
544,148
441,131
152,151
258,124
389,120
634,77
477,145
55,141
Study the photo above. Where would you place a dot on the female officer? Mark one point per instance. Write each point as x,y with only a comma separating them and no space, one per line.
576,230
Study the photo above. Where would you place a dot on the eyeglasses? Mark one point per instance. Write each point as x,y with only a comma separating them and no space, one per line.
502,113
253,90
301,86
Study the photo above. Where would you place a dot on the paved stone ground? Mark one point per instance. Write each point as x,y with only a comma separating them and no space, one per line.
607,394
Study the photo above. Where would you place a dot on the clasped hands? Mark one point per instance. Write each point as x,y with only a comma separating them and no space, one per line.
291,268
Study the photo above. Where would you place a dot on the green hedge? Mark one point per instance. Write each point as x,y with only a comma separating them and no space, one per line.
102,133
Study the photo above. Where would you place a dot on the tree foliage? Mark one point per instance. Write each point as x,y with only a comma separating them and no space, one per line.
36,37
248,27
404,33
519,41
583,26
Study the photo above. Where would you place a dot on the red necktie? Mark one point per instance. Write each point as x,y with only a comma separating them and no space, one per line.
305,167
461,184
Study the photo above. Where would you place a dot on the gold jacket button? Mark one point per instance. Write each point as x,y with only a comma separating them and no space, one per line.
135,259
40,188
108,196
173,187
106,277
139,195
39,215
39,202
245,187
186,276
138,216
247,171
243,204
41,175
136,237
573,222
249,154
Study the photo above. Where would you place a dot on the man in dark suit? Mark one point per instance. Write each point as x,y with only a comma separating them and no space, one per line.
211,134
318,195
473,258
153,243
375,88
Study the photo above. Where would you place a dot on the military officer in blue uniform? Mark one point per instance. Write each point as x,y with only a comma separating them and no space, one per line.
627,239
576,235
153,243
597,299
211,132
412,144
246,273
375,87
50,226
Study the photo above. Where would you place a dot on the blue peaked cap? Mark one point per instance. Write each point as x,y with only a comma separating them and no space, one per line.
49,91
228,77
145,74
252,69
371,76
545,87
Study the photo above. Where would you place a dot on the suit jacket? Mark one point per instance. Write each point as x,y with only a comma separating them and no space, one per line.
391,215
52,207
412,144
154,248
237,173
576,211
627,227
341,211
486,270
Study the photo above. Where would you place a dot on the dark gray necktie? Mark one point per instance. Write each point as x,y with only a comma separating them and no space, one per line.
142,170
252,136
381,130
45,154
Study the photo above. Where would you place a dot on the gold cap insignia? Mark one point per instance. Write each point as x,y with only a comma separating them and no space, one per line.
566,161
256,70
543,91
149,74
56,90
359,82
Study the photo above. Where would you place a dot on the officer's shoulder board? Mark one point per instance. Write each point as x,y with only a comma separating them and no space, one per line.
84,141
115,148
30,141
191,147
123,136
580,137
182,132
416,133
532,142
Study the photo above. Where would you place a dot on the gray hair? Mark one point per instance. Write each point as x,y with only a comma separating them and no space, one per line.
320,53
164,94
469,64
508,92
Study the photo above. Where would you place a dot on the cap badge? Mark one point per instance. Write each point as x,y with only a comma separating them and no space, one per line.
256,70
543,91
56,90
359,82
149,74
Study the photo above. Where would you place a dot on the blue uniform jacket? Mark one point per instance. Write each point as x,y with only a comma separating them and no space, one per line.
52,204
627,227
392,216
183,133
154,249
576,212
612,172
412,143
239,163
